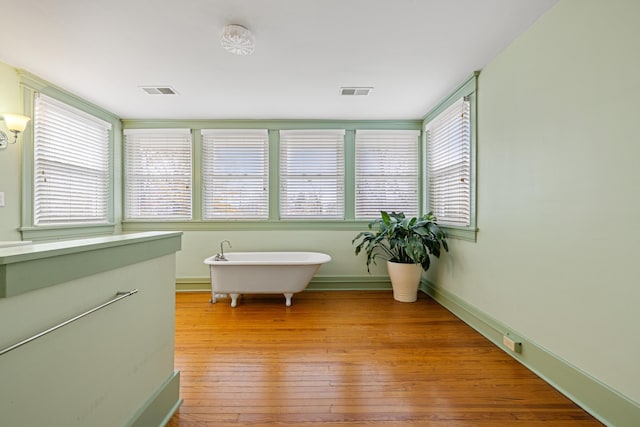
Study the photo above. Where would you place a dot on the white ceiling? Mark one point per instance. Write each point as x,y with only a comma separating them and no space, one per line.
413,52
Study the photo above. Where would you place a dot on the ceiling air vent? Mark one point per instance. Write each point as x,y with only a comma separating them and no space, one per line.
159,90
355,91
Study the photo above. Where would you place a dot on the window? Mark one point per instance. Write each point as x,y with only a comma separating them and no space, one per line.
157,174
450,178
235,174
71,165
448,137
312,174
386,172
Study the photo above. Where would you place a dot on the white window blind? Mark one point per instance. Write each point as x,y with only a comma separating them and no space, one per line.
235,174
312,174
386,172
158,164
71,165
448,138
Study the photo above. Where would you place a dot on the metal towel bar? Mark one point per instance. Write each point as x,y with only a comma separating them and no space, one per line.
119,296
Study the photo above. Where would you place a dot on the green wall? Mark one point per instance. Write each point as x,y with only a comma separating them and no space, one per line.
558,185
198,245
10,157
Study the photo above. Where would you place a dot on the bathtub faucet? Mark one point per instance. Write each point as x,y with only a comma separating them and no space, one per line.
220,256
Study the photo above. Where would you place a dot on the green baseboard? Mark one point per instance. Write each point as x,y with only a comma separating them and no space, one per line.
318,283
607,405
161,406
193,284
349,283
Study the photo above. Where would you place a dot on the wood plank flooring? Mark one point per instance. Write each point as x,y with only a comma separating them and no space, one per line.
350,359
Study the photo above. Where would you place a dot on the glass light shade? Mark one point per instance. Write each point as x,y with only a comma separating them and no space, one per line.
16,122
237,40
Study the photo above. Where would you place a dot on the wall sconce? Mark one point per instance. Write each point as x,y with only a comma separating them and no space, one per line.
16,124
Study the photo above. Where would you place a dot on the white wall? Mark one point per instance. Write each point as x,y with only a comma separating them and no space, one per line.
559,191
10,162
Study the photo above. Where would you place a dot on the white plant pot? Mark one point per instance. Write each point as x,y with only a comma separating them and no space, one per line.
405,280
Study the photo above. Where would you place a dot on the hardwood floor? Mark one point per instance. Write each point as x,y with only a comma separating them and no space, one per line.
350,359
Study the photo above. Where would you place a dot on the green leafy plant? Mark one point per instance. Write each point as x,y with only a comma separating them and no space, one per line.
396,238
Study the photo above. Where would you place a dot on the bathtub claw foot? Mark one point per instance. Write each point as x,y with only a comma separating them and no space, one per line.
215,297
234,299
288,297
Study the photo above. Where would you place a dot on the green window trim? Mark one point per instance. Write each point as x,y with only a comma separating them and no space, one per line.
460,233
242,225
65,231
275,124
469,89
273,222
30,85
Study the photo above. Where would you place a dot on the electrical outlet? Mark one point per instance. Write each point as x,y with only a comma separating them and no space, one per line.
512,345
1,199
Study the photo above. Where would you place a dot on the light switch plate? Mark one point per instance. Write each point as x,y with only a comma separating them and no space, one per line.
1,198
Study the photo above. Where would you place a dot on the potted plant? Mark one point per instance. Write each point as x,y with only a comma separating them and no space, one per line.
406,244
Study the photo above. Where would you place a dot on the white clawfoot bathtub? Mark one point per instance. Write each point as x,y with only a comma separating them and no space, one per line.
263,273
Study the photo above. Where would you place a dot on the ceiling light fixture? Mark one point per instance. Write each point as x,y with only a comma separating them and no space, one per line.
238,40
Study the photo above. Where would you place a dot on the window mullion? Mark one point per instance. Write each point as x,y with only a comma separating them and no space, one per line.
350,175
196,177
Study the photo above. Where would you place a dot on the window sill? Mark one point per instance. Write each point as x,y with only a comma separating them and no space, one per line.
238,225
460,233
51,232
